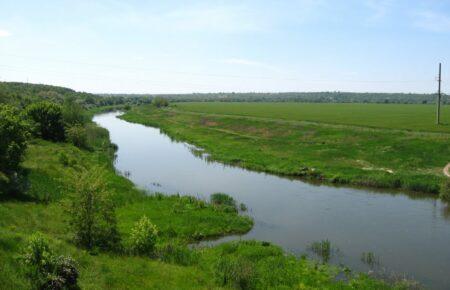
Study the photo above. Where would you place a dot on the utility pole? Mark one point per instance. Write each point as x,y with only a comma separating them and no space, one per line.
438,111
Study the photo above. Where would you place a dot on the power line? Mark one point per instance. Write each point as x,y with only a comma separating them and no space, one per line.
217,75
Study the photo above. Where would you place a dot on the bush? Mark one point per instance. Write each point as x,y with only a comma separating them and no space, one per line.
47,119
143,237
14,133
223,202
93,216
445,190
77,136
73,113
160,102
44,269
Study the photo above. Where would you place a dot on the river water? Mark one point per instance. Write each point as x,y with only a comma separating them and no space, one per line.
408,234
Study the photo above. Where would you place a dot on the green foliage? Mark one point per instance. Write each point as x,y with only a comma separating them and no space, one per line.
73,113
47,119
77,135
13,143
160,102
177,253
44,269
445,190
92,212
143,237
22,94
301,97
223,202
237,272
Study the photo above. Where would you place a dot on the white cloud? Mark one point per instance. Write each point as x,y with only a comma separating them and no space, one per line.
432,21
4,33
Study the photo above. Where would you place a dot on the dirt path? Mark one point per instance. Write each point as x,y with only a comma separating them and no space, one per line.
447,170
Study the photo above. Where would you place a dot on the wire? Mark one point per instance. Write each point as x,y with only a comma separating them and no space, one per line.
217,75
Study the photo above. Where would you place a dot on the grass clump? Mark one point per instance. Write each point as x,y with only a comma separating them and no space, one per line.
324,250
223,202
176,252
445,190
257,265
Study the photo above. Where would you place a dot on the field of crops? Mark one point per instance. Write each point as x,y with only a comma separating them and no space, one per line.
407,117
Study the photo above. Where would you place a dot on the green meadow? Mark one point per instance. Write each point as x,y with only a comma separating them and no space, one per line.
391,116
369,145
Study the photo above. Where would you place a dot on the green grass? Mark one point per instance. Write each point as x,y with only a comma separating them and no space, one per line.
43,208
180,220
392,116
359,156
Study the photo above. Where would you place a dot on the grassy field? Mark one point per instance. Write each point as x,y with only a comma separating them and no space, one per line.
42,209
341,154
181,220
391,116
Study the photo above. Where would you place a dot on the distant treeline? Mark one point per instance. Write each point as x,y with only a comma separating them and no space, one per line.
22,94
318,97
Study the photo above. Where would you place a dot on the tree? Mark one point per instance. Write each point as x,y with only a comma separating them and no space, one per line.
160,102
77,135
14,133
93,217
47,119
73,113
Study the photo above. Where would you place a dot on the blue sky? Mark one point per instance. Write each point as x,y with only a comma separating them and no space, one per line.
224,46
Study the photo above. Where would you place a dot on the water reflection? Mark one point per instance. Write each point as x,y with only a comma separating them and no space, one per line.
410,233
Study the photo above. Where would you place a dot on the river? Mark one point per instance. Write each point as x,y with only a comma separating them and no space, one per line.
408,234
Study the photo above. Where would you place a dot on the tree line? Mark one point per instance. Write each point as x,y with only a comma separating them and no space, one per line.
21,95
307,97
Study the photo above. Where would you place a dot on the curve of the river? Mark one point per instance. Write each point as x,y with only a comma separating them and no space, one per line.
409,234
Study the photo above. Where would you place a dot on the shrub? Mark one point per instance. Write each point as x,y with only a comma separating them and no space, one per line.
445,190
77,136
65,268
223,202
14,133
143,237
44,269
47,119
93,217
160,102
73,113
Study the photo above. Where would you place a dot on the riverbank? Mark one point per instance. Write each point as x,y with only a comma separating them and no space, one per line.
359,156
43,208
181,220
